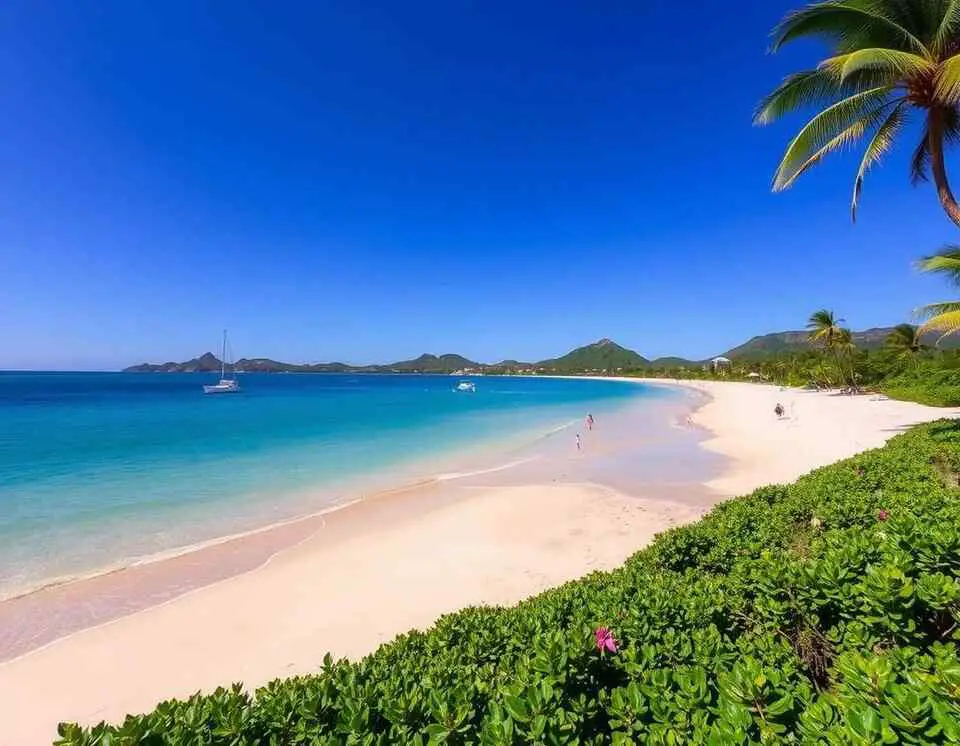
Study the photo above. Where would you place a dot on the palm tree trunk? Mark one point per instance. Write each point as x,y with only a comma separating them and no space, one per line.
938,167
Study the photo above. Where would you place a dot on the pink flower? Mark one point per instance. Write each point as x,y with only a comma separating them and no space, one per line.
882,515
605,640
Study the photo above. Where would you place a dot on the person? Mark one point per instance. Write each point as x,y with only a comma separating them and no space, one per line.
578,441
589,422
778,410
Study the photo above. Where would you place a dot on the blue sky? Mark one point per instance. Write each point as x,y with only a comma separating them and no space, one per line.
368,181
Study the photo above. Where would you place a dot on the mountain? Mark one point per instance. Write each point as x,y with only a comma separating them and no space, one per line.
603,355
673,362
205,363
513,364
798,341
427,363
208,362
266,365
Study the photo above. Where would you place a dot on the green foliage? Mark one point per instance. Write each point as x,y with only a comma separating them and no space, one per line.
887,60
904,367
927,384
943,318
822,612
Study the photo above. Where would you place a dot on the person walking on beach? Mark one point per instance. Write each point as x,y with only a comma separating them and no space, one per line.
778,410
578,441
589,422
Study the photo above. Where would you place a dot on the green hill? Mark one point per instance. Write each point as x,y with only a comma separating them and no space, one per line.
797,341
427,363
603,355
674,362
207,362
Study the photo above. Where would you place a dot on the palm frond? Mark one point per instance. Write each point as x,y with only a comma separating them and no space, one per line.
902,336
895,63
823,318
824,127
946,323
850,135
944,262
801,89
948,80
949,25
843,338
920,161
876,148
815,88
936,309
851,21
823,327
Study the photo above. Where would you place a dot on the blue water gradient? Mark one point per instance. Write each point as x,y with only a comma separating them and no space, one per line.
98,468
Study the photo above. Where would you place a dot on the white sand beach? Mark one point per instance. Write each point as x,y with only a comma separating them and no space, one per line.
817,428
347,596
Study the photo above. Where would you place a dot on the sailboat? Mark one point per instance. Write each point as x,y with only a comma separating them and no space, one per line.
226,385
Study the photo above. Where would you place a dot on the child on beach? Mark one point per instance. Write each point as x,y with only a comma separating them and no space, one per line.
578,441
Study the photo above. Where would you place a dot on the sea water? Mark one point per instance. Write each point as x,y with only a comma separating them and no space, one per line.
99,469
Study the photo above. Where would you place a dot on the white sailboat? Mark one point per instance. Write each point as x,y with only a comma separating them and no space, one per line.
226,385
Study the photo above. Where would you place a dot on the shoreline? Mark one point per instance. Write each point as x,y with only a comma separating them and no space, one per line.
311,499
178,571
416,556
763,449
128,484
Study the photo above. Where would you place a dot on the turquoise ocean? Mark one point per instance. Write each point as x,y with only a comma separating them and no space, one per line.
98,470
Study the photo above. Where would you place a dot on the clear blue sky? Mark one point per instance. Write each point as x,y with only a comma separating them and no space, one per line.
366,181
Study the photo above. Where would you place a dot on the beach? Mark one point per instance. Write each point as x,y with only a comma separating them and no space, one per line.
357,577
818,428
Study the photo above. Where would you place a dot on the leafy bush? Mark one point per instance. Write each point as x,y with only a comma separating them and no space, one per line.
935,386
823,612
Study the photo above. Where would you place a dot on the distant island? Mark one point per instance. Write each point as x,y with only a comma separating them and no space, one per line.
603,356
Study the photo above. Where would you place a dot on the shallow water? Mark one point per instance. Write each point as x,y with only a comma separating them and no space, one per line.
97,470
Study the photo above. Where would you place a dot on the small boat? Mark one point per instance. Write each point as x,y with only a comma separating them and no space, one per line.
225,385
466,386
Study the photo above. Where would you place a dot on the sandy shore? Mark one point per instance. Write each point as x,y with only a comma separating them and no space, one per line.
346,591
818,428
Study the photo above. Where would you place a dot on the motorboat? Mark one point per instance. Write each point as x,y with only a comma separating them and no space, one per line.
468,386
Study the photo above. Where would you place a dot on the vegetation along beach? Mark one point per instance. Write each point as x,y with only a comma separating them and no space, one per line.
734,520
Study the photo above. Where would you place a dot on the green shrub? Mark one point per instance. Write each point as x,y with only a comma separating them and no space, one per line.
934,386
823,612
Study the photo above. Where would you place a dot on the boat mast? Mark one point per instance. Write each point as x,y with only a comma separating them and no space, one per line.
223,357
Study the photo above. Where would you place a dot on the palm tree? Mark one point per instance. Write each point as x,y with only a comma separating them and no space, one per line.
844,348
904,342
889,60
843,343
824,328
942,317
